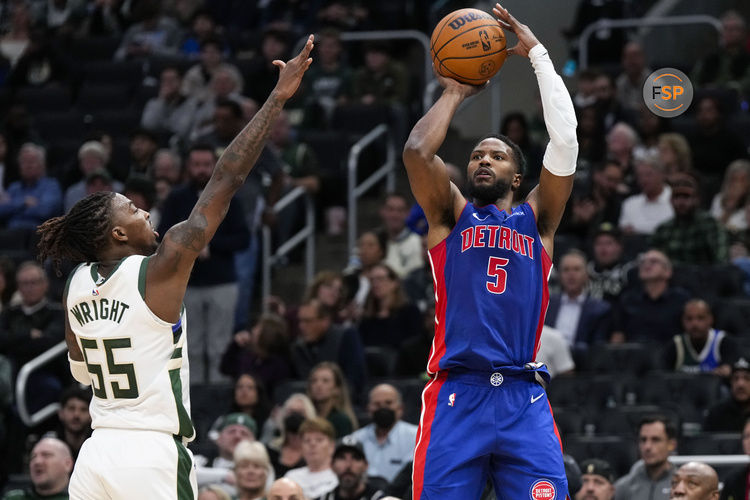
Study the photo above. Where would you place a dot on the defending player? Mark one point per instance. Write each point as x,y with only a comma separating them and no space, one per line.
125,325
485,411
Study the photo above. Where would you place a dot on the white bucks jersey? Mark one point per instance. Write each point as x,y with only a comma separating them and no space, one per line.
138,362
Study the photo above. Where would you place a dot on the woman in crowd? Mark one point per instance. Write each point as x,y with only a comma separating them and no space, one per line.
674,153
328,288
371,248
285,451
249,398
729,206
262,351
329,392
388,317
252,470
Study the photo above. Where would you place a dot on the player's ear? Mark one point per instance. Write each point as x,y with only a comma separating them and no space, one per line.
119,234
517,178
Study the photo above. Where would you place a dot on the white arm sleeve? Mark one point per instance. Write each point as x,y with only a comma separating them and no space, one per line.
559,115
79,371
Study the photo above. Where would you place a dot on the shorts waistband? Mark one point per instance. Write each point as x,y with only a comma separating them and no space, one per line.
492,379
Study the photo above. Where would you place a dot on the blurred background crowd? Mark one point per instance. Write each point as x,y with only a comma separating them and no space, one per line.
648,327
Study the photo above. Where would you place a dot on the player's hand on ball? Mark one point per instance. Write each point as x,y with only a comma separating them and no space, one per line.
452,85
526,39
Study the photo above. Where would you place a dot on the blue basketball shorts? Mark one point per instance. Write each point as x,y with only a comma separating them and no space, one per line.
476,426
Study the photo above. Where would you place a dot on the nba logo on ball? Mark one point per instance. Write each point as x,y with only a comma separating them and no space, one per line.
667,92
542,490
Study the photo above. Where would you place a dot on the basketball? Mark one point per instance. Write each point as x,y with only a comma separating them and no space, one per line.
468,45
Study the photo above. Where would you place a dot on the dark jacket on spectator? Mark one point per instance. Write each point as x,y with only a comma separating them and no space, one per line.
231,236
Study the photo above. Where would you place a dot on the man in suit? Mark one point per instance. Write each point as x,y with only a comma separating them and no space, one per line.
582,320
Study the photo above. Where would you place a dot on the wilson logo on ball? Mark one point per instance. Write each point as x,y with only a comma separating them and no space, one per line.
467,18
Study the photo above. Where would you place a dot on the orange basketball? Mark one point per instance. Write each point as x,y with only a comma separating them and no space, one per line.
468,45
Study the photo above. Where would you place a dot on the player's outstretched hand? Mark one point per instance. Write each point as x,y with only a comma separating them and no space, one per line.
291,72
526,39
464,89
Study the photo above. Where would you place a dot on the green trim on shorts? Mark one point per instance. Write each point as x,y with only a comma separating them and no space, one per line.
186,425
184,466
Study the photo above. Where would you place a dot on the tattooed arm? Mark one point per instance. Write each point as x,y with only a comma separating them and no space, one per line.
169,268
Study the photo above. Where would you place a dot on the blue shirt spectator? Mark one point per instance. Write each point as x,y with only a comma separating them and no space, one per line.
33,199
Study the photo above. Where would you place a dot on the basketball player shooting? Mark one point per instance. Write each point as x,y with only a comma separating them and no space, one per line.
125,326
485,411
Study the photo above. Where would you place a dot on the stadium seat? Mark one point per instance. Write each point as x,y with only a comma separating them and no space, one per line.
62,152
624,420
620,452
358,118
155,65
285,389
712,443
142,94
15,244
118,122
113,72
330,148
584,391
94,48
632,358
209,402
693,394
570,420
93,97
50,98
380,361
733,316
53,126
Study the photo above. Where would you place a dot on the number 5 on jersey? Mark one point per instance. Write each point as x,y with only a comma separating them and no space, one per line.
96,370
498,274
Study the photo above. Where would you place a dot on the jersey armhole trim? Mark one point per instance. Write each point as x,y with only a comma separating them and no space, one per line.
70,278
142,278
530,208
142,268
466,204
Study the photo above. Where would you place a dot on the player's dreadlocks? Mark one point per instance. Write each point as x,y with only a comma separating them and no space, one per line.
78,236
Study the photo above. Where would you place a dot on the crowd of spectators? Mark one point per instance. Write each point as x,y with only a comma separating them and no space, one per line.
651,283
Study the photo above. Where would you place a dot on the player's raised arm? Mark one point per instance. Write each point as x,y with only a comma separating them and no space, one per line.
427,174
556,179
171,265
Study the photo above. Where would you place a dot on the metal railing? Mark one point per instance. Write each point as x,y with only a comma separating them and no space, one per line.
608,24
355,191
22,379
305,235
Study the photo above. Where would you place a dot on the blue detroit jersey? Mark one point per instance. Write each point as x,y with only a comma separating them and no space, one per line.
490,277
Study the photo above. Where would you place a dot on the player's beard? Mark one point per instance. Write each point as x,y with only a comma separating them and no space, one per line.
486,194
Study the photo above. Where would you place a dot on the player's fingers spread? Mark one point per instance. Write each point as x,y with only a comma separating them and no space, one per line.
512,50
502,12
308,47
